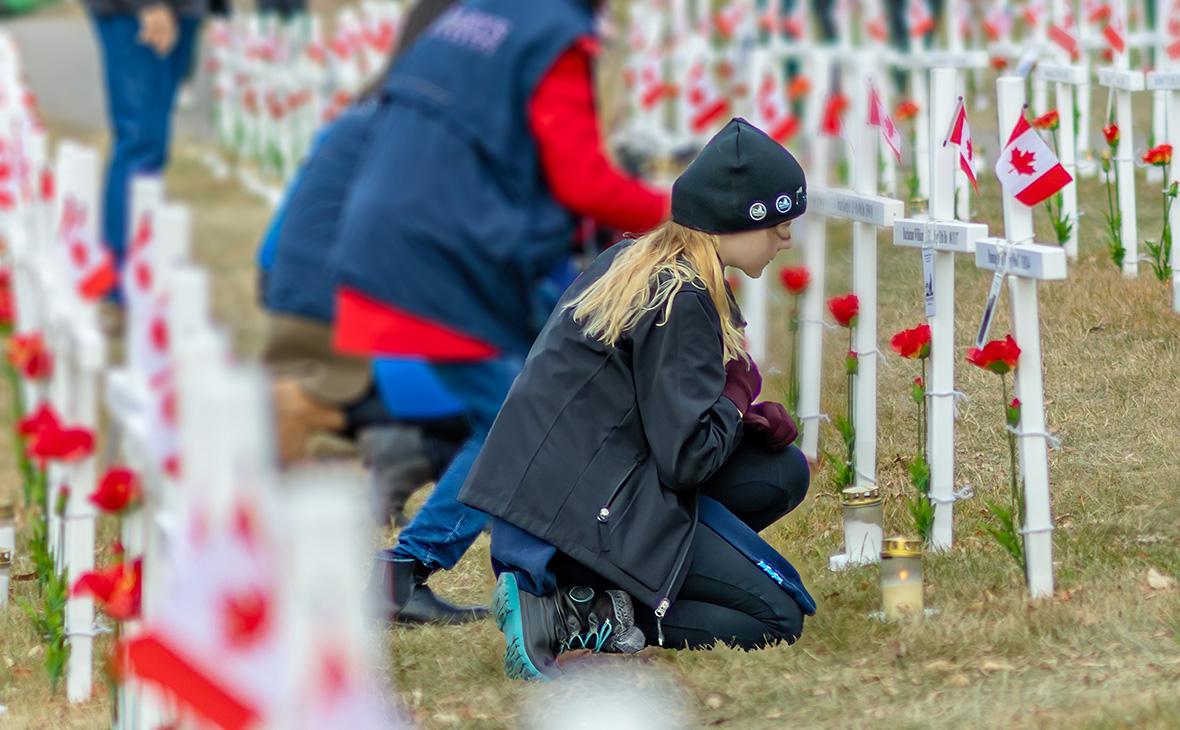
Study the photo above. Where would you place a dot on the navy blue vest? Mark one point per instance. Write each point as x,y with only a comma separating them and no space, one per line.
450,217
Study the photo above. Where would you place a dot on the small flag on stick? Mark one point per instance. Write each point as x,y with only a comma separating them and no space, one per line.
960,136
1027,168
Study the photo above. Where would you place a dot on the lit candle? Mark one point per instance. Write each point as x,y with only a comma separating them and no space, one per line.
863,517
901,579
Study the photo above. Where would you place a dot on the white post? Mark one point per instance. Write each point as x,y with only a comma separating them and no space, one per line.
811,315
1123,82
919,84
864,284
1034,457
1065,79
87,357
1169,83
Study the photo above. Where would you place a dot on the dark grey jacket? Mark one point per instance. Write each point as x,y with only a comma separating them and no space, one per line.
598,450
182,8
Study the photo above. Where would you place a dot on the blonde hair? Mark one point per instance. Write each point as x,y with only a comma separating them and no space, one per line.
647,276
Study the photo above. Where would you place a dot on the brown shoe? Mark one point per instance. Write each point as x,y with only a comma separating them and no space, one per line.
298,416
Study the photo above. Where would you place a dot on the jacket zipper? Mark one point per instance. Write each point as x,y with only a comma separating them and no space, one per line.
604,511
666,602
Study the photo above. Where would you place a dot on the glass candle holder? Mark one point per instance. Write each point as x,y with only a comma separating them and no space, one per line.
864,515
5,575
901,579
7,526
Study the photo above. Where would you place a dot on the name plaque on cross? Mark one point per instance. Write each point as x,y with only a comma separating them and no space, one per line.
1028,260
872,209
948,236
1122,80
1062,74
1163,80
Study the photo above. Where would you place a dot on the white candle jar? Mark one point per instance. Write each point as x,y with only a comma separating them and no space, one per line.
5,575
901,579
864,515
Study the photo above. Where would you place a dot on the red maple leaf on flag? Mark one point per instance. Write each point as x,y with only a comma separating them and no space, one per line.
1022,162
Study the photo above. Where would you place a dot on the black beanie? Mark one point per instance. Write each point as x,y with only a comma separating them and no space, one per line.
741,181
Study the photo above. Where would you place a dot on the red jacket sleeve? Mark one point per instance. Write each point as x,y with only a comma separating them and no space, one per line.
564,122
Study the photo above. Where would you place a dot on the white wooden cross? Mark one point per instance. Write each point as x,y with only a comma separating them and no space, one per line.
1123,82
868,212
81,354
1024,264
1066,78
1168,83
940,237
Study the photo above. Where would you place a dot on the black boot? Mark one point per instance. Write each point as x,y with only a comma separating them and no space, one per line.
400,595
538,628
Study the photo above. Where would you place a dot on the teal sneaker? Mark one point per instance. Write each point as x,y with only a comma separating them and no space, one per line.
537,629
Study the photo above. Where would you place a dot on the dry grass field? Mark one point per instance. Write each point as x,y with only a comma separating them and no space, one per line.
1104,652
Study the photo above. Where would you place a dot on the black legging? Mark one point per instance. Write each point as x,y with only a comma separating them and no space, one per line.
726,597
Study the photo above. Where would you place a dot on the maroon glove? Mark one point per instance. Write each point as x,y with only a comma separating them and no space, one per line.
770,424
743,382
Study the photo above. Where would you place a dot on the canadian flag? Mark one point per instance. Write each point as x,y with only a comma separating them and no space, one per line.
1064,35
997,23
879,117
1114,34
772,111
214,642
1034,11
920,18
832,123
705,104
1027,168
92,265
1096,10
960,136
9,184
729,18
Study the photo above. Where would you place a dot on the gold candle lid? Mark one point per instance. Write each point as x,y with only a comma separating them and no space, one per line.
902,547
7,510
860,496
5,557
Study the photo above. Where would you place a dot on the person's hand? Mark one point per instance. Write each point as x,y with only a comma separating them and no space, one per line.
157,28
771,425
743,382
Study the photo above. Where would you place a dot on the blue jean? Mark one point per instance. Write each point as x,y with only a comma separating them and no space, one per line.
444,528
141,88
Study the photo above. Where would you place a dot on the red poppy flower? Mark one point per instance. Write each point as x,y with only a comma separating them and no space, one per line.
999,356
118,489
6,307
795,279
907,109
1159,155
61,444
29,356
844,309
913,344
798,87
1111,133
1049,120
999,63
118,589
734,282
42,419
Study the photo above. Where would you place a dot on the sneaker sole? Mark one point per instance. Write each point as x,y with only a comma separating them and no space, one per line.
506,606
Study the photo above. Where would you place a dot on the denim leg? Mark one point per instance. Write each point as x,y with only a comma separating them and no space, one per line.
444,528
141,88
